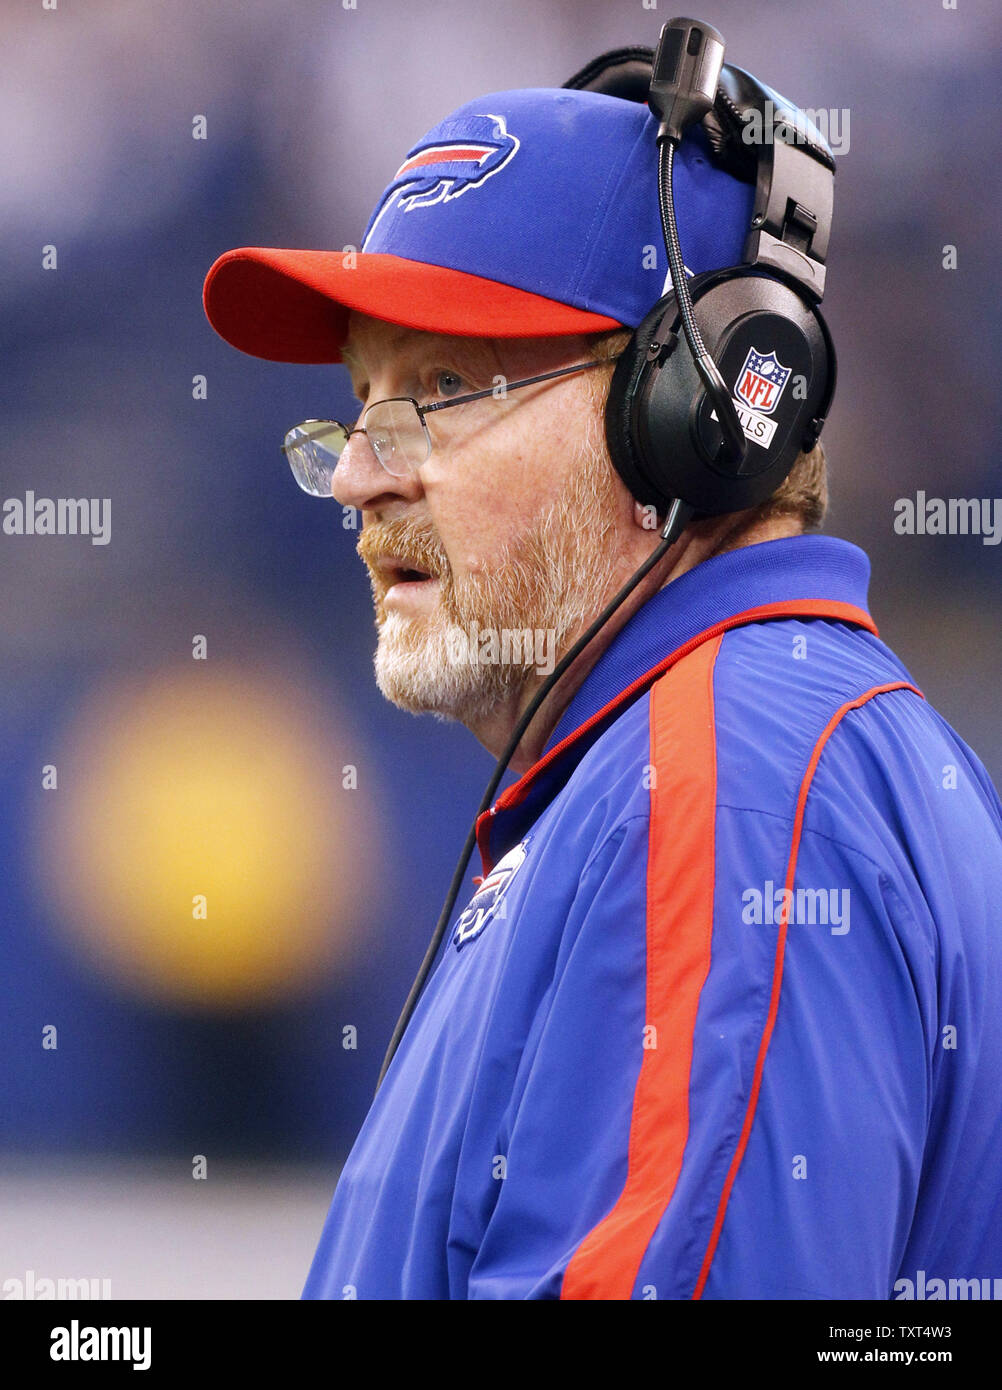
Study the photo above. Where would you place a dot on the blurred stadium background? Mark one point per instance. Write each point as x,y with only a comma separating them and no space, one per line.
226,777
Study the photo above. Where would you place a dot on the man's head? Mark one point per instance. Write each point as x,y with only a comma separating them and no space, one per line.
525,214
519,236
517,518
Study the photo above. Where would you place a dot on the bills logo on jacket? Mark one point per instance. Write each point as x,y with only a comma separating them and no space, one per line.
487,900
462,156
761,381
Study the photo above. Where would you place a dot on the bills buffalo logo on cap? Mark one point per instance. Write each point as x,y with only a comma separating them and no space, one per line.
462,155
761,381
487,900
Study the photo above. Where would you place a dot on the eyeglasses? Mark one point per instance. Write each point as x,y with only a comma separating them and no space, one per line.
395,428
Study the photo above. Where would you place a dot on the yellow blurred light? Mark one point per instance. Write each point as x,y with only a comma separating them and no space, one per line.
222,784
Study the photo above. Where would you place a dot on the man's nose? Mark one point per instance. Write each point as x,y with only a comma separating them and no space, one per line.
361,481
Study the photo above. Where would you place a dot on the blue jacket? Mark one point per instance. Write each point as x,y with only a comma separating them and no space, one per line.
723,1018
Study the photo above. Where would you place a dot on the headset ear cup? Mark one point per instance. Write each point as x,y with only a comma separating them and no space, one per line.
618,427
659,419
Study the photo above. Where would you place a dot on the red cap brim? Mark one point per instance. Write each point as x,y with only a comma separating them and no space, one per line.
292,306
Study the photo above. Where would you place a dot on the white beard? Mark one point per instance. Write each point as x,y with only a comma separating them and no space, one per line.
554,579
414,670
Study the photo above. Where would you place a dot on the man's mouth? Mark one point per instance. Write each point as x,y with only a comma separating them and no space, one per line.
402,578
402,571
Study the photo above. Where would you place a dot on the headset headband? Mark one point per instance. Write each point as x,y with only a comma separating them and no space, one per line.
760,138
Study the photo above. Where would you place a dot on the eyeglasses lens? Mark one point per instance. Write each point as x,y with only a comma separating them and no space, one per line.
313,449
397,436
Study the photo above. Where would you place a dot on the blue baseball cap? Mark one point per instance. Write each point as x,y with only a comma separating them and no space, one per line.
529,213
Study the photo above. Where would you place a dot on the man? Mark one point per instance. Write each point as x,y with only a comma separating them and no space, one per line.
721,1018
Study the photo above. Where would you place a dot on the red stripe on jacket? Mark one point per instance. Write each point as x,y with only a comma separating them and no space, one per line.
680,880
777,974
680,884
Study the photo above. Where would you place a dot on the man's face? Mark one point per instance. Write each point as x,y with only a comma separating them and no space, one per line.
507,527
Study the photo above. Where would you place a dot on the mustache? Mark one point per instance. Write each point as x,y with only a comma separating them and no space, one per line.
416,541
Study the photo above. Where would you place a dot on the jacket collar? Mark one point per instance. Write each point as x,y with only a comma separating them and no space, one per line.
806,576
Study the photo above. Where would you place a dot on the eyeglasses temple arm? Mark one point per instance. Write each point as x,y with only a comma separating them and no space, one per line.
511,385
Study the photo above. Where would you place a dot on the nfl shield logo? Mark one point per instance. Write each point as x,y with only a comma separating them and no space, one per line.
761,381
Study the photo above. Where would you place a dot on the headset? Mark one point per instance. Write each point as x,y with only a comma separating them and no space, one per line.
718,427
673,427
